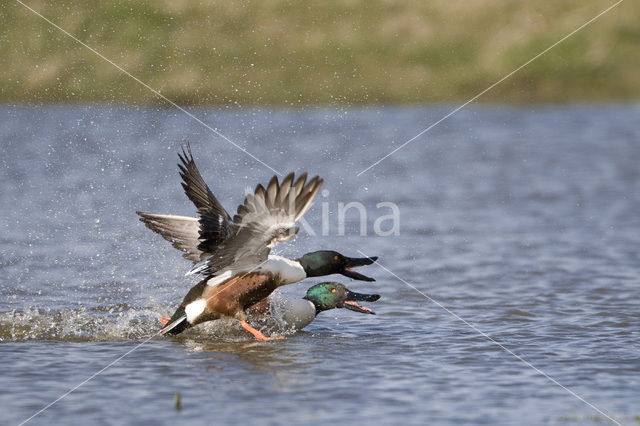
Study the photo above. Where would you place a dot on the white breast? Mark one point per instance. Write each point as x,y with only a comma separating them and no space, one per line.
293,313
287,271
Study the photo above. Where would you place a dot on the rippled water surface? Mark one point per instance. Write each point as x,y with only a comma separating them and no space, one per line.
519,225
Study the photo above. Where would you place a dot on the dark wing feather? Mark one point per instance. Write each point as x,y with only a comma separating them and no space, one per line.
215,222
181,231
264,219
244,250
214,230
195,187
199,238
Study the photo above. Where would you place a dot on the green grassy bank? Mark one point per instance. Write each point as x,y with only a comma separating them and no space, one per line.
319,52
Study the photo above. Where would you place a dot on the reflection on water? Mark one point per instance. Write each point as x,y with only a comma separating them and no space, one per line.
522,221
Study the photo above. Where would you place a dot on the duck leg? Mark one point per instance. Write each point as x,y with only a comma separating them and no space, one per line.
256,333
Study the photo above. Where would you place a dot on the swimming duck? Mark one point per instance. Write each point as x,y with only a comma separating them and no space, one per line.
233,254
298,313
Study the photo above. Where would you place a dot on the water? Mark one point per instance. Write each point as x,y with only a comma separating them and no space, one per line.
522,221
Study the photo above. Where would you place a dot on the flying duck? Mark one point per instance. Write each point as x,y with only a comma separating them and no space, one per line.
233,254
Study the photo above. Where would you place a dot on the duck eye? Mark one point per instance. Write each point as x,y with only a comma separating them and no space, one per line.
333,290
335,257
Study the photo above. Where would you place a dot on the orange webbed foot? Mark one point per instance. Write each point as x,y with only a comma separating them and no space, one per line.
257,334
164,320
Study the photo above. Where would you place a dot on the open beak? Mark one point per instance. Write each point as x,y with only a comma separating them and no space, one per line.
351,302
353,262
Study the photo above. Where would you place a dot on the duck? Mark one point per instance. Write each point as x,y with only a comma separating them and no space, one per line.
296,314
233,254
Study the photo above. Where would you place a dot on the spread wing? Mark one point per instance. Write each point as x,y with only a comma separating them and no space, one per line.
266,218
182,232
215,222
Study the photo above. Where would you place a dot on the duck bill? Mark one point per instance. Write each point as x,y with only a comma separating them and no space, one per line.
351,302
353,262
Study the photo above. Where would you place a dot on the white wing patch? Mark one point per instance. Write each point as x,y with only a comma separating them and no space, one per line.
194,309
219,279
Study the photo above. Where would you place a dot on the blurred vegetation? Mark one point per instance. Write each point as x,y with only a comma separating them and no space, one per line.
334,51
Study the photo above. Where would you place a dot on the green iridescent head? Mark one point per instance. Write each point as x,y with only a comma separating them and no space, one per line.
330,295
327,262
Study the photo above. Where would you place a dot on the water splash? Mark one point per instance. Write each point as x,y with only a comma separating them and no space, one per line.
81,325
119,322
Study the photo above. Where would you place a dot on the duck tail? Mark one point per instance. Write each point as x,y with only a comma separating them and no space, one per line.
177,324
174,327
